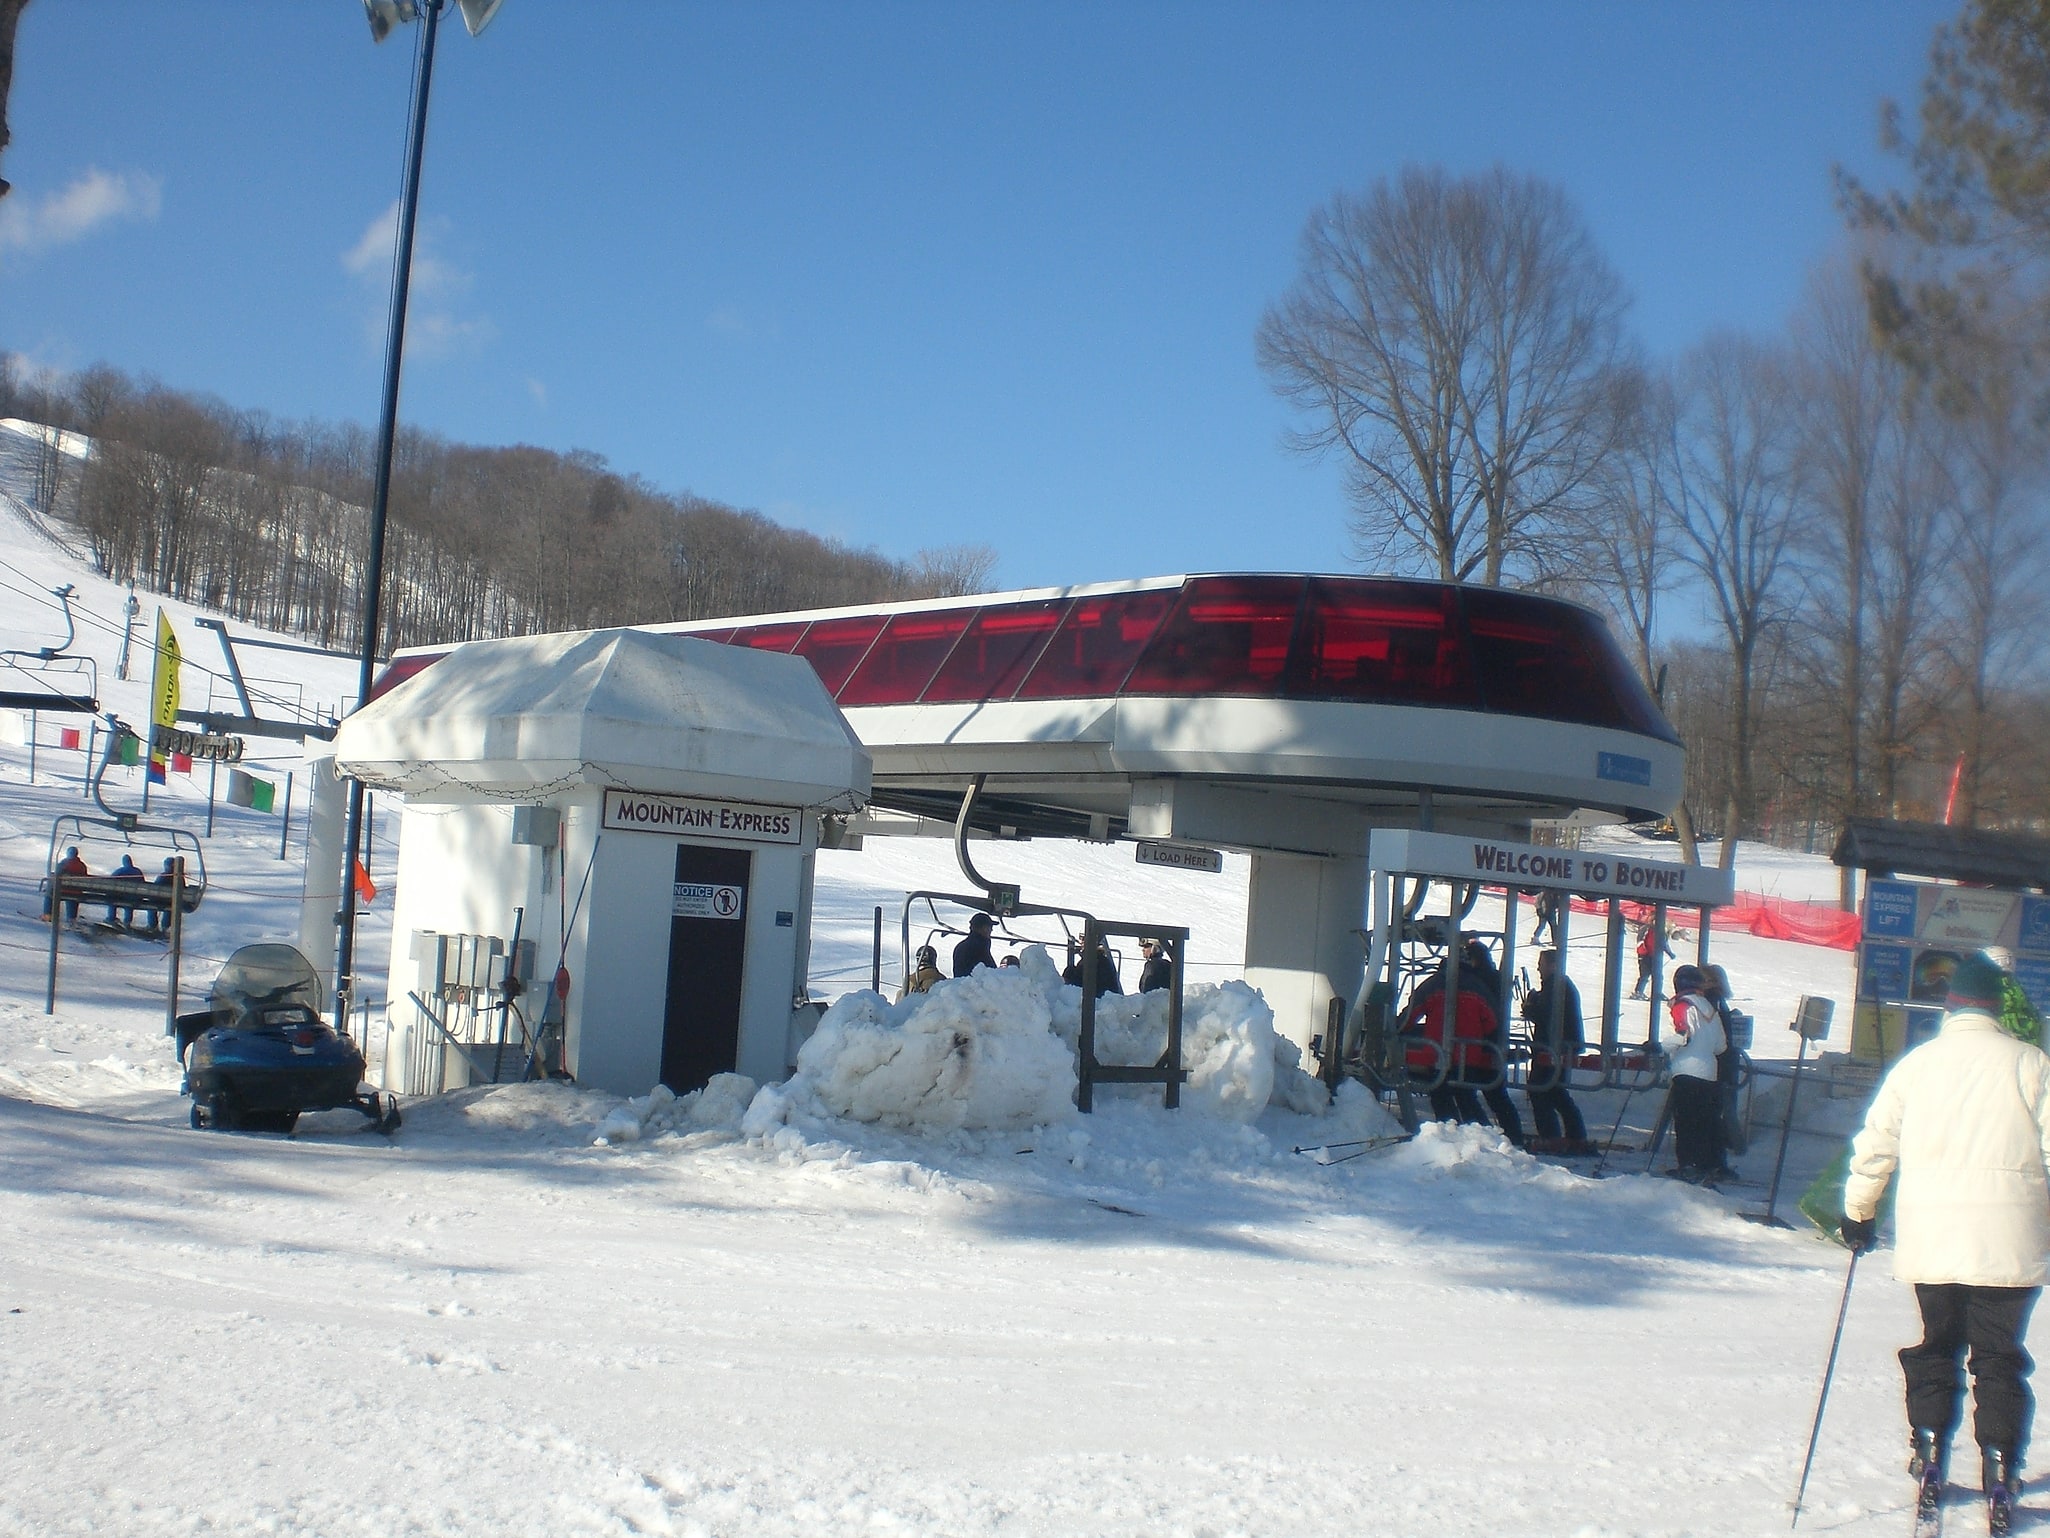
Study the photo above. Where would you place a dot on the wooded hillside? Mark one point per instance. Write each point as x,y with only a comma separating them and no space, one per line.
268,522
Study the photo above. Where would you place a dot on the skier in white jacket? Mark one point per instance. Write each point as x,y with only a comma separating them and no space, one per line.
1965,1118
1696,1102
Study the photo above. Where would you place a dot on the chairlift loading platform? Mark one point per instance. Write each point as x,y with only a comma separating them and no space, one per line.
1405,945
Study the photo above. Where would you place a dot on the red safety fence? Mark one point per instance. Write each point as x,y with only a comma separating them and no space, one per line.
1773,918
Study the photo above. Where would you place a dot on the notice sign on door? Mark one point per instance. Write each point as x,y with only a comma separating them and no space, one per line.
692,900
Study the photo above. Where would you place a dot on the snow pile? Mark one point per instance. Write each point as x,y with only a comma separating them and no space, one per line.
976,1052
717,1107
1237,1065
999,1050
548,1113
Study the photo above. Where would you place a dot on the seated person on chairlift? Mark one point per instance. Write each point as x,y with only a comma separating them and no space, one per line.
924,976
71,865
127,870
974,951
1475,1045
160,922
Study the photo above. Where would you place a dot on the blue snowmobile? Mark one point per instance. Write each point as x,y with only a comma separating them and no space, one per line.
259,1053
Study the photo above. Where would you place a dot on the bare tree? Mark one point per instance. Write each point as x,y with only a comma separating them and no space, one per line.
1623,541
1458,339
1848,393
1914,506
1739,512
1995,540
952,571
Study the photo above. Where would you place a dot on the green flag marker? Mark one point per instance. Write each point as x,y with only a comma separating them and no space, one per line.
247,790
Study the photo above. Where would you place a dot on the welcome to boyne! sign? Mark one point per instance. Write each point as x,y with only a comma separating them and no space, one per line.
1503,864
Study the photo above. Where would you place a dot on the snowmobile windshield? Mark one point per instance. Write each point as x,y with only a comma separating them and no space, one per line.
263,984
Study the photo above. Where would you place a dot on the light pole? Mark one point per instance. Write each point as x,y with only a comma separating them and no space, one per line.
383,16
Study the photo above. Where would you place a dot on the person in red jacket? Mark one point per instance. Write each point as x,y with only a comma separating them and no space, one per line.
1652,949
72,865
1474,1048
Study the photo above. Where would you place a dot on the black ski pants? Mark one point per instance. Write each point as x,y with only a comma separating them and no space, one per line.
1990,1322
1552,1111
1697,1104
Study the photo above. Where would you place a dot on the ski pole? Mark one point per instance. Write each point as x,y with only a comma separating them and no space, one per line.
1828,1372
1603,1162
1359,1146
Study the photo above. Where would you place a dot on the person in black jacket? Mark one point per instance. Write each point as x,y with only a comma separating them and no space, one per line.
1552,1112
1159,969
1729,1071
974,951
1107,979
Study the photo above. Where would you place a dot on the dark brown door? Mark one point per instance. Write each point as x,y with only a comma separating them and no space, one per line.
707,951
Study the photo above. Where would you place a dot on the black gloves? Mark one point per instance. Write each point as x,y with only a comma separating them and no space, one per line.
1859,1234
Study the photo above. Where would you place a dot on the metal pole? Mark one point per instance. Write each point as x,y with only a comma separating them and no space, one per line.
1771,1219
56,918
1085,1038
380,502
32,718
92,748
875,970
177,942
285,833
213,779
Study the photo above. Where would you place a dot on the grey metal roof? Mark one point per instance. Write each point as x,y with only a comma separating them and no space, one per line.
1979,855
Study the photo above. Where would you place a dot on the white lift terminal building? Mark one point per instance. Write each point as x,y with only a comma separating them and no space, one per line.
1285,716
645,807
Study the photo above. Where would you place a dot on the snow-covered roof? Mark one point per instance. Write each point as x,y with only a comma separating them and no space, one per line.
518,718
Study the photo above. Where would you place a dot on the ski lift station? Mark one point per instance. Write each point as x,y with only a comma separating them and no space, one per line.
645,806
1364,740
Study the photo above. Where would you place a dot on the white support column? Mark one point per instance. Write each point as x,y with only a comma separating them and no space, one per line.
327,807
1303,914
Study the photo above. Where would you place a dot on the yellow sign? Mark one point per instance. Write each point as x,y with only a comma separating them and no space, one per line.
163,695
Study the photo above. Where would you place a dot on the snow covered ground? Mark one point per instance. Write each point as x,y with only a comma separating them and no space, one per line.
1140,1322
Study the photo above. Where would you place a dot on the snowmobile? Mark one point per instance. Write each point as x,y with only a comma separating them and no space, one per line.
259,1053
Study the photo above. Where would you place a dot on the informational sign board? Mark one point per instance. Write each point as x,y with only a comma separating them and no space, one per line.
1916,934
746,822
1179,856
696,900
1498,863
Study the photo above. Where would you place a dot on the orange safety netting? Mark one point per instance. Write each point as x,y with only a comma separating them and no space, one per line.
1773,918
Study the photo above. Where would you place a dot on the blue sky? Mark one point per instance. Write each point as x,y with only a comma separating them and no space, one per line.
904,274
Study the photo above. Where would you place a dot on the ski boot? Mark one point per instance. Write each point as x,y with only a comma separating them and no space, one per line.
2002,1482
1925,1464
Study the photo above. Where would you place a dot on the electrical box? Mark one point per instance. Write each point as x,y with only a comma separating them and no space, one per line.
1811,1020
540,826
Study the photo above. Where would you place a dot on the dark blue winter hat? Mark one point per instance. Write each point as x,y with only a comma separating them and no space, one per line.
1687,979
1974,985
